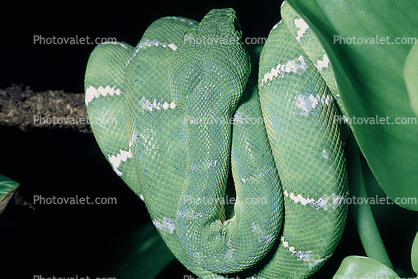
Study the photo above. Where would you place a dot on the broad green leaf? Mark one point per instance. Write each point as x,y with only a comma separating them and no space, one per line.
363,40
414,254
6,185
7,189
410,74
363,267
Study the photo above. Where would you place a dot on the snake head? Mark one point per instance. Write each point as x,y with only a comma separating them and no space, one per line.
209,70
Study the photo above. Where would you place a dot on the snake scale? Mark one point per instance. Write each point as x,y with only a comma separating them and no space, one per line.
232,148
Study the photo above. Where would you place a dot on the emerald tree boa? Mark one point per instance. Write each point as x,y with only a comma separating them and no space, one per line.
234,149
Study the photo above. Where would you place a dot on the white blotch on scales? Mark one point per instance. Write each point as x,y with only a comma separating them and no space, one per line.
302,28
291,66
307,104
150,43
92,92
122,156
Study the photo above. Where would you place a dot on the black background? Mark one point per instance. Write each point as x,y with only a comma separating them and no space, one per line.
61,67
89,240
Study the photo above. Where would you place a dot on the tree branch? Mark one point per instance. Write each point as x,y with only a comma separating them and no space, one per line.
26,109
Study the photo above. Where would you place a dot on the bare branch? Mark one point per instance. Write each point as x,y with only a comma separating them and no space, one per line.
26,109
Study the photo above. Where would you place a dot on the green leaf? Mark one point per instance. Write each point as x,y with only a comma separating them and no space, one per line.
363,267
362,213
410,74
7,188
370,80
6,185
414,254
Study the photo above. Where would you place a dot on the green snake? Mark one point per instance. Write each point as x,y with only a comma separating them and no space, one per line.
233,149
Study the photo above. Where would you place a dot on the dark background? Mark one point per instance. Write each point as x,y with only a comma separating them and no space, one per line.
92,240
61,67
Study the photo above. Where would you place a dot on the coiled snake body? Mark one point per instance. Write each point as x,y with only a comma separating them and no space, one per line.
185,112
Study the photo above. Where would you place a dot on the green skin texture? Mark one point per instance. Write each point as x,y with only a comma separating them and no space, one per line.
178,158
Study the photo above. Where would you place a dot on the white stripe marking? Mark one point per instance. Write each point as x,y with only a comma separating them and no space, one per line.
229,253
303,255
255,227
178,18
239,118
322,63
114,43
275,26
92,92
323,201
307,104
289,66
167,225
116,160
302,28
298,198
122,156
149,43
212,163
147,105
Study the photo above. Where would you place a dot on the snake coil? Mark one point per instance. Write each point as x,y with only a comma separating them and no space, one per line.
188,110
